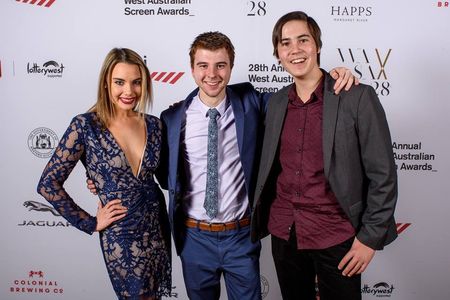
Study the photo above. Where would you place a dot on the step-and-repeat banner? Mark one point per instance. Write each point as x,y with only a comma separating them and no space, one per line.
50,57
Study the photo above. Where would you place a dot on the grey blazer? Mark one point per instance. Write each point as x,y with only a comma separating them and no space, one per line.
358,162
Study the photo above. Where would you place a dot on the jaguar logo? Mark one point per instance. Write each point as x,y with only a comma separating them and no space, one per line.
37,206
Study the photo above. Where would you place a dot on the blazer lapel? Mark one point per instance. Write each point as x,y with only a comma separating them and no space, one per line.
276,113
239,119
330,111
173,135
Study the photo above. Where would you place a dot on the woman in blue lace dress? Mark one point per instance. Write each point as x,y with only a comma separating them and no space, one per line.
119,145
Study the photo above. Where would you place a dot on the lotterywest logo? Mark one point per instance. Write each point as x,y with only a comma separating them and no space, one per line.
50,69
42,142
45,3
369,65
264,287
351,13
35,283
42,208
442,4
381,289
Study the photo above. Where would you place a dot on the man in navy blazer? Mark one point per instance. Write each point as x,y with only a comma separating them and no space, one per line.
211,246
327,185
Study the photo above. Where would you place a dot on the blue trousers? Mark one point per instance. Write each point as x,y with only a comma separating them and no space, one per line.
207,255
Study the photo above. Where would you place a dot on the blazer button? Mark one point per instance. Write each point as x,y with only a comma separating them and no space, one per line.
172,192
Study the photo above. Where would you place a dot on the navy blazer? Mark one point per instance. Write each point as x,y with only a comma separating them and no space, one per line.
358,162
249,108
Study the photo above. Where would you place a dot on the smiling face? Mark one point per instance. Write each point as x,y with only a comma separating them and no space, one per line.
125,86
297,50
211,70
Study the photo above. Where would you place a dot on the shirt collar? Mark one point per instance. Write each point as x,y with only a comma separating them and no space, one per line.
317,95
221,108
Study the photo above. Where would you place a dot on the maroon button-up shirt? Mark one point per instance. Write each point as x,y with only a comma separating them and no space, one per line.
304,196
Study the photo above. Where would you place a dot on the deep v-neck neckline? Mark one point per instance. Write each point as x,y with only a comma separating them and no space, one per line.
144,150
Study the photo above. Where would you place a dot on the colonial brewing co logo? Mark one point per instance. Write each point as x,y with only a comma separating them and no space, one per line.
50,69
42,142
36,283
44,3
369,65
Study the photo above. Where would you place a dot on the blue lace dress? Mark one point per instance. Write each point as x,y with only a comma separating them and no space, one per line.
136,248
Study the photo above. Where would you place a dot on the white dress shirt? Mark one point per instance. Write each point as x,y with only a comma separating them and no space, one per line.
232,198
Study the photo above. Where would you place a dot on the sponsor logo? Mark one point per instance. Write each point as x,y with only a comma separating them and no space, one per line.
38,206
264,287
45,3
42,142
381,289
50,69
36,283
402,227
166,77
351,13
442,4
42,208
369,66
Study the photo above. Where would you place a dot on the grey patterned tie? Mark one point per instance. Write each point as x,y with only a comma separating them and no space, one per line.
212,177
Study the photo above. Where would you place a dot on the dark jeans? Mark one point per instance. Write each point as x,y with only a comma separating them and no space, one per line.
297,270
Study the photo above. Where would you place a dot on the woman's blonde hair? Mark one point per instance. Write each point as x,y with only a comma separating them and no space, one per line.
104,107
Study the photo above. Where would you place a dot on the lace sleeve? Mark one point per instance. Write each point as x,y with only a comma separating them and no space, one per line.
61,164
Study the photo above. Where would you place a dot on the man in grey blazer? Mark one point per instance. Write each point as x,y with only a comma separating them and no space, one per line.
327,185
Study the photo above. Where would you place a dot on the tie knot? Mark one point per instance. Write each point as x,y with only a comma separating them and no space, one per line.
212,113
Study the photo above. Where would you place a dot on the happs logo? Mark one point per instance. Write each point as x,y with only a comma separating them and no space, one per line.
35,283
351,13
45,3
50,69
42,142
381,289
369,65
